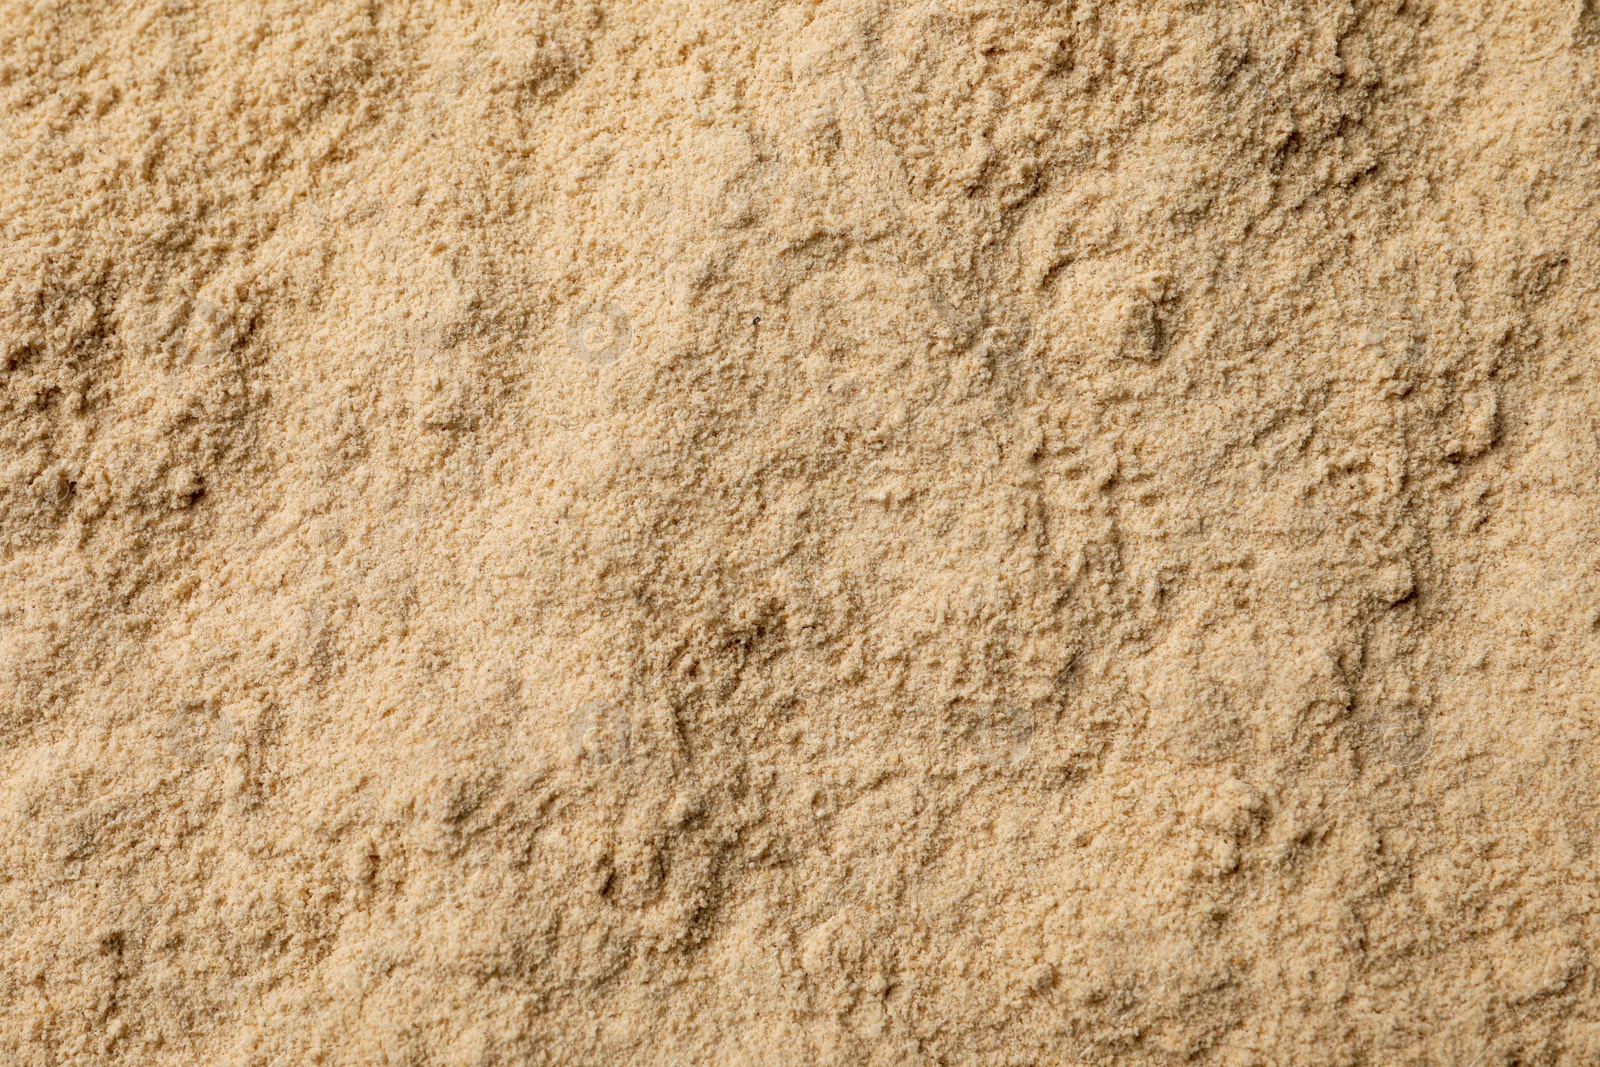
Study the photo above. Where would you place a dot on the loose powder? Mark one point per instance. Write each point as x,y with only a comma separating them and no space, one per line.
799,532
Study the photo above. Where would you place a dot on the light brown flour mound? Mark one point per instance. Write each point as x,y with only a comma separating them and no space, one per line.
822,531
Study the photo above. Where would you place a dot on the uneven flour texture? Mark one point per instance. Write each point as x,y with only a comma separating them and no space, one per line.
683,532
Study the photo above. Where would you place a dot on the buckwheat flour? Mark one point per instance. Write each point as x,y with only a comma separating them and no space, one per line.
827,531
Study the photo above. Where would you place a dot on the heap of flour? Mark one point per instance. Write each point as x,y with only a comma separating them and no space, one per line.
826,531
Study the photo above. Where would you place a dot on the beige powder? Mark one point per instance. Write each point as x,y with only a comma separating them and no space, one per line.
828,531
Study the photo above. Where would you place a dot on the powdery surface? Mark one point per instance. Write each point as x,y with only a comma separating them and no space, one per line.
850,531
